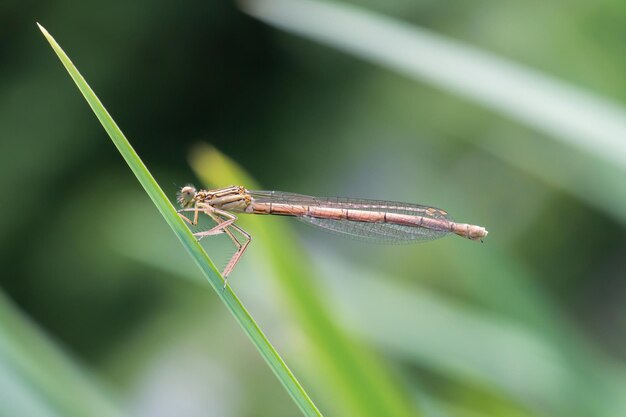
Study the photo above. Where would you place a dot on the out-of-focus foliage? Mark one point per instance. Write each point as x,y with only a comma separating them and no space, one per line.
529,324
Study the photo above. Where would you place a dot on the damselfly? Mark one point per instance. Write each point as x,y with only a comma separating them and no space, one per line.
371,220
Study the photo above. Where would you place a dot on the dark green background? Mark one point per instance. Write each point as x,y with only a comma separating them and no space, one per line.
77,232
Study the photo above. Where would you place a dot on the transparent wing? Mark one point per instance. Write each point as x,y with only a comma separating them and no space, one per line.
372,232
375,232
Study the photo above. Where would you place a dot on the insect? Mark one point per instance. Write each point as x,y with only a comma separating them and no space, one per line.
371,220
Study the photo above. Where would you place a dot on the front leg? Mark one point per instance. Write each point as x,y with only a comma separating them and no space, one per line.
211,212
196,210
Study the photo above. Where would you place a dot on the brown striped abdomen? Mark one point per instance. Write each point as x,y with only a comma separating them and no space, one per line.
350,214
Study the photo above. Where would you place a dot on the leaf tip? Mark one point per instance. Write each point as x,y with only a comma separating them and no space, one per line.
45,32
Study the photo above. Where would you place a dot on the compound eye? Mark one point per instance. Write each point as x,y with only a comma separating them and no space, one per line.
186,195
188,190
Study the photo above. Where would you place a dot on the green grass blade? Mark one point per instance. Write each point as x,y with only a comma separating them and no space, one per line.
199,256
349,370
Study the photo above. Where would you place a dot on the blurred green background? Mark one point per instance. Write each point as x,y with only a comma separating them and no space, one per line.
102,312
